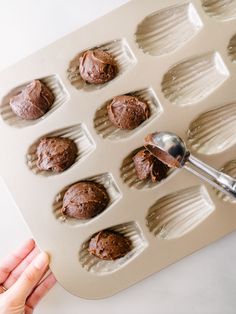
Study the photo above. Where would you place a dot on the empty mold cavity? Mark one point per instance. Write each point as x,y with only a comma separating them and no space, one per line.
230,169
105,179
106,129
78,133
213,131
176,214
193,80
55,85
167,30
119,49
221,9
232,48
129,176
98,266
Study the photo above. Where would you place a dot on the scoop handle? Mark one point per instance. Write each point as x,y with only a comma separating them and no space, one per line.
221,181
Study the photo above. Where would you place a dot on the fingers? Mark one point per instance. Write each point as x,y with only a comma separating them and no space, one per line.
28,310
40,291
2,289
14,259
15,274
30,277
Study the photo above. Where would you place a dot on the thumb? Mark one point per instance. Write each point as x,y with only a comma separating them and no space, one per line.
30,277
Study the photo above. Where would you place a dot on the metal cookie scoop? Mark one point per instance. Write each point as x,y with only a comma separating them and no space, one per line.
171,150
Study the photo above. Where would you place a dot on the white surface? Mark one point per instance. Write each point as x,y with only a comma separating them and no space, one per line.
202,283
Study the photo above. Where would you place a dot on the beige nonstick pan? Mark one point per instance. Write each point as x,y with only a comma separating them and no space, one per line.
180,57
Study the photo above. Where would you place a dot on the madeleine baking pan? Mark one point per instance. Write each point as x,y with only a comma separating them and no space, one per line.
180,56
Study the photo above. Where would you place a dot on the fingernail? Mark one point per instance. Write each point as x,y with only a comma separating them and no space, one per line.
41,260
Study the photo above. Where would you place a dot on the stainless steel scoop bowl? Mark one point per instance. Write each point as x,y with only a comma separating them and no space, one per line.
171,150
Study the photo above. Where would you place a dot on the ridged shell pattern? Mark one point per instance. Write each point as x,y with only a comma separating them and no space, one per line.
221,9
119,49
55,85
232,49
106,129
98,266
78,133
176,214
230,169
193,80
213,131
106,179
167,30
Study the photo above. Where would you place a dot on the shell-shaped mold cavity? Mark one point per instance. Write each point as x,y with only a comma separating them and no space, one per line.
213,131
193,80
221,9
77,133
166,30
119,49
176,214
232,48
105,179
129,176
55,85
230,169
98,266
106,129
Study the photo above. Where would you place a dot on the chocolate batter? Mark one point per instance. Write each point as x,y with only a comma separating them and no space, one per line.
56,154
149,167
33,101
109,245
97,66
127,112
85,200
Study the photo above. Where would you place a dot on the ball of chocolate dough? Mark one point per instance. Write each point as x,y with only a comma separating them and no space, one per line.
85,200
148,166
33,101
97,66
109,245
127,112
55,154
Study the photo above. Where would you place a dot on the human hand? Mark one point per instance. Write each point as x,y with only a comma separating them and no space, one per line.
22,284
